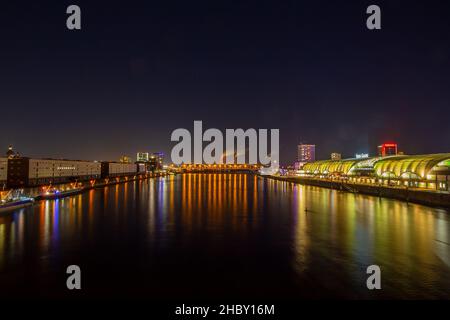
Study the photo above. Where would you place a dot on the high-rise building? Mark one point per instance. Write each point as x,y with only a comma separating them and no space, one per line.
159,159
155,161
142,157
336,156
152,164
306,152
387,149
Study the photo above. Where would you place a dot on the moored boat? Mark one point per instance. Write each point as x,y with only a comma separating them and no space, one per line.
15,200
54,193
15,204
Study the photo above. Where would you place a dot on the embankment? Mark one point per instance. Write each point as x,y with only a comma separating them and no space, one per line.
426,197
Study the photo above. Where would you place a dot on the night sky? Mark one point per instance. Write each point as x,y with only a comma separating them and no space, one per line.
140,69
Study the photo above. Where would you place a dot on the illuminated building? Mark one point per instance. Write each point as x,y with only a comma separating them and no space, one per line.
429,171
361,155
306,152
3,172
155,161
142,157
336,156
33,172
152,163
125,159
117,169
141,168
387,149
159,159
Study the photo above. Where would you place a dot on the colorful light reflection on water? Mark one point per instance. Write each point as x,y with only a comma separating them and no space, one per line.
225,235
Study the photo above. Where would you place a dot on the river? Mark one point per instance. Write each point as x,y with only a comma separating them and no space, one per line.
217,236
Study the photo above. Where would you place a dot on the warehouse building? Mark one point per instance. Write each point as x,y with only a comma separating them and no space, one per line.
430,171
3,172
33,172
117,169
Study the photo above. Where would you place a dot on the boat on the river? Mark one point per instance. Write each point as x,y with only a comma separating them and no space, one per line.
15,200
55,193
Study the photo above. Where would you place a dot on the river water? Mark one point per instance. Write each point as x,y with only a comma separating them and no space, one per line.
218,236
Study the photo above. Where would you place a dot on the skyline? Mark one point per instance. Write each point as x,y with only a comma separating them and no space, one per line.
312,70
134,157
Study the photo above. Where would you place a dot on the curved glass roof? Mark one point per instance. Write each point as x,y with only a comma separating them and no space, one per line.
416,166
330,166
419,165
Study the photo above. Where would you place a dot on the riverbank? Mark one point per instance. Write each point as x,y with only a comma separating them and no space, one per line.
36,192
425,197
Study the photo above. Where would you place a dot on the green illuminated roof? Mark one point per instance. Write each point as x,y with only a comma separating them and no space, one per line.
331,166
419,165
411,167
445,163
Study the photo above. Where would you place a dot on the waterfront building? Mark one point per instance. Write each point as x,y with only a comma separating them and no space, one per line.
429,171
32,172
336,156
153,163
387,149
3,172
159,156
306,152
142,157
117,169
141,168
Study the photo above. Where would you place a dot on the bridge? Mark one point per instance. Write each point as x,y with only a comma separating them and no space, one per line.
218,168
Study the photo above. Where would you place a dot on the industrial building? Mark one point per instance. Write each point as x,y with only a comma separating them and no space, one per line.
3,172
430,171
19,172
117,169
33,172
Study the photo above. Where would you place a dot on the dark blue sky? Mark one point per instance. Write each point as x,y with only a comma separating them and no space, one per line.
140,69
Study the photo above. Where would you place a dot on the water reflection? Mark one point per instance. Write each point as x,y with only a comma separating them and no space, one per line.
307,241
